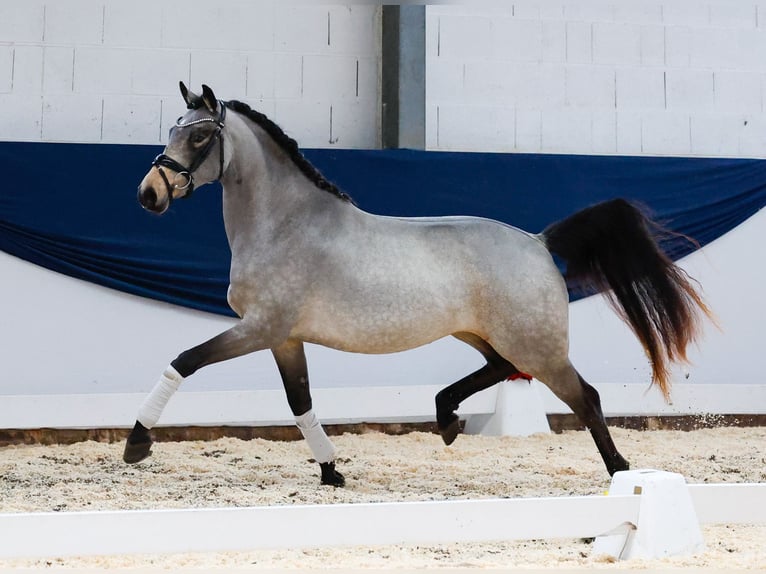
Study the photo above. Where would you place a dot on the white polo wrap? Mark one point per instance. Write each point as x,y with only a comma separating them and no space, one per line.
321,447
150,410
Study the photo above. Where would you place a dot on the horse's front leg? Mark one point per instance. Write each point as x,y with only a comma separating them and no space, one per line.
239,340
291,361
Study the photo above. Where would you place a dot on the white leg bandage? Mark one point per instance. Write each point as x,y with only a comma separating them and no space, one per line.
321,447
150,410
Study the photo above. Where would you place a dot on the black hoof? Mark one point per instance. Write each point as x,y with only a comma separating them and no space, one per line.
617,465
138,446
450,430
330,476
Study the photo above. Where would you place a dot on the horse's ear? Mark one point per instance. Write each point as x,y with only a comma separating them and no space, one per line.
191,99
208,97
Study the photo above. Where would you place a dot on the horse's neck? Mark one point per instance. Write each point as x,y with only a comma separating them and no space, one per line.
264,195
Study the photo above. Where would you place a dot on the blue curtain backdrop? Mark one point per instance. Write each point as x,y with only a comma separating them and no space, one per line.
72,207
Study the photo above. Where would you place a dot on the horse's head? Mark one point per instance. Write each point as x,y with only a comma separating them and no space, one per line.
188,159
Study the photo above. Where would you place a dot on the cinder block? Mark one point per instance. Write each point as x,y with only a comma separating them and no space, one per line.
517,40
604,131
236,26
330,78
554,41
22,21
738,91
131,119
491,82
685,13
529,133
590,87
476,128
6,68
689,89
354,125
28,70
640,88
716,48
302,28
432,125
354,29
367,78
74,23
21,117
628,136
566,131
128,24
638,12
173,66
444,80
652,45
665,133
307,122
261,75
225,72
58,70
101,71
288,83
739,15
579,42
592,11
72,118
716,135
678,46
538,86
465,37
616,44
751,140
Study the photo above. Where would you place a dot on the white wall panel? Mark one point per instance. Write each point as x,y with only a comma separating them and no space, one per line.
58,70
28,70
676,67
21,117
6,69
129,119
22,21
110,54
72,117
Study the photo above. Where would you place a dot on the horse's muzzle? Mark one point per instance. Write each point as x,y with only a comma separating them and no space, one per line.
147,197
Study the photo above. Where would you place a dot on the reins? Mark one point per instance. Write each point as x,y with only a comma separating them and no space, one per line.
164,160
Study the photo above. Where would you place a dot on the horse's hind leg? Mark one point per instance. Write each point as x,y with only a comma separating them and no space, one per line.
291,362
583,399
448,399
238,340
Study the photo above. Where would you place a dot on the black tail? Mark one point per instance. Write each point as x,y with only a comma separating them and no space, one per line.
611,246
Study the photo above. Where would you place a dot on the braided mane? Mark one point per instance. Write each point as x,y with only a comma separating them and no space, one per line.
290,147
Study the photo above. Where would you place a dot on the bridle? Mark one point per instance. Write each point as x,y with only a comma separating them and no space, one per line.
163,160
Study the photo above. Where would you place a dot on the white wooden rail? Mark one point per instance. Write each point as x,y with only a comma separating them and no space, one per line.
52,534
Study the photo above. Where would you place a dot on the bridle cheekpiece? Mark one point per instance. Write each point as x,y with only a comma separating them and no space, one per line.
163,160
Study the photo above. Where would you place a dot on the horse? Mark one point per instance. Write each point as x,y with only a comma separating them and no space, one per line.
309,266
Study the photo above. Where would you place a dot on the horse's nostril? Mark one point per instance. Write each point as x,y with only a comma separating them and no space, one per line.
147,197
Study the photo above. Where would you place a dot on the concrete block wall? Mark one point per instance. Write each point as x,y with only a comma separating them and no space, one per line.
108,71
673,77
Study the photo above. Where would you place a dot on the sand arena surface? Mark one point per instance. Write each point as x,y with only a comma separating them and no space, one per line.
378,467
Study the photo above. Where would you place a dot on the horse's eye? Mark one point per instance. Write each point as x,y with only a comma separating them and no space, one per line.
198,138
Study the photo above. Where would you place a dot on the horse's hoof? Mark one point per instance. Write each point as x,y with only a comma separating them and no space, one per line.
330,476
136,452
138,446
450,431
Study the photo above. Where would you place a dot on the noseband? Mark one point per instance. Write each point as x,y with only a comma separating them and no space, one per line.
163,160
